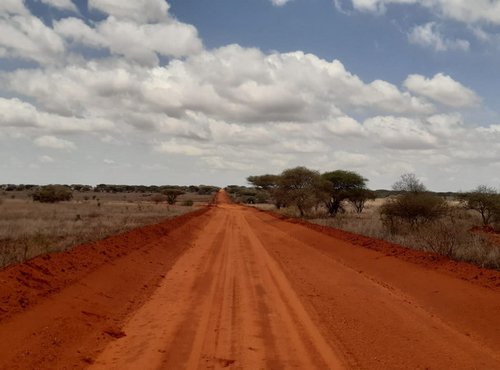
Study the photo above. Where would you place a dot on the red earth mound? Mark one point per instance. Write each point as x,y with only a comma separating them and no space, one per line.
477,275
26,284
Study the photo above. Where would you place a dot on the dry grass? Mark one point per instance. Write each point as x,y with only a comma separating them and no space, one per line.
450,236
29,229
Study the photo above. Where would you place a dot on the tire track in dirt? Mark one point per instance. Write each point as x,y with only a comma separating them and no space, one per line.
238,311
306,338
382,312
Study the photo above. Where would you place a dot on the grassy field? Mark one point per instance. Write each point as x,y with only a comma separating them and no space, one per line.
450,236
29,229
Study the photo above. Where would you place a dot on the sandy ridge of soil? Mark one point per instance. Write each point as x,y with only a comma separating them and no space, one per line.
24,285
474,274
68,319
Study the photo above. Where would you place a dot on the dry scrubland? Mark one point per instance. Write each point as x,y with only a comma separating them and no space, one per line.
256,292
456,235
409,215
29,229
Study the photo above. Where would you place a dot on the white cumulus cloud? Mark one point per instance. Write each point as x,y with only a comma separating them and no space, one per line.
19,114
11,7
230,84
140,42
75,29
27,37
137,10
443,89
400,132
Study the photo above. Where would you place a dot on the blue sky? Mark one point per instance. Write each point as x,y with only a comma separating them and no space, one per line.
190,91
374,46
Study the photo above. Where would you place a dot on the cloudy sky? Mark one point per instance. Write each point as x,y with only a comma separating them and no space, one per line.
193,91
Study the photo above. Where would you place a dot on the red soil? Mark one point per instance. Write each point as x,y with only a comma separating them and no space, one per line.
466,271
232,287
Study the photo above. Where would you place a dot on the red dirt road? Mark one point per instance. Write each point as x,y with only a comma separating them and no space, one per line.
236,288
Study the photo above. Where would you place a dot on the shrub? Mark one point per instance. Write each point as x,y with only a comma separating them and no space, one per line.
52,194
188,203
414,206
413,209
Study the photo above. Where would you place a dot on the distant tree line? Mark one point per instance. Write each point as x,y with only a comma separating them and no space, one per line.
60,193
113,188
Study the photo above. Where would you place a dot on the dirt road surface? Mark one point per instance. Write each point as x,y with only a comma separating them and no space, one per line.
232,287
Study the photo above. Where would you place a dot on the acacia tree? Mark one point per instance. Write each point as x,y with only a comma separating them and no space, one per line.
270,184
299,187
340,185
485,200
264,182
172,195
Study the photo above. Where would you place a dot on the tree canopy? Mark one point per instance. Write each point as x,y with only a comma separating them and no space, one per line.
264,182
299,187
485,200
408,182
305,189
340,185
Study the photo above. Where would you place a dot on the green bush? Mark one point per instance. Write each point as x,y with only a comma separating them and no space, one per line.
52,194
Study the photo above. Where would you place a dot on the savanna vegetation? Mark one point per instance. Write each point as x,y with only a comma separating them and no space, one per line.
461,226
36,220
